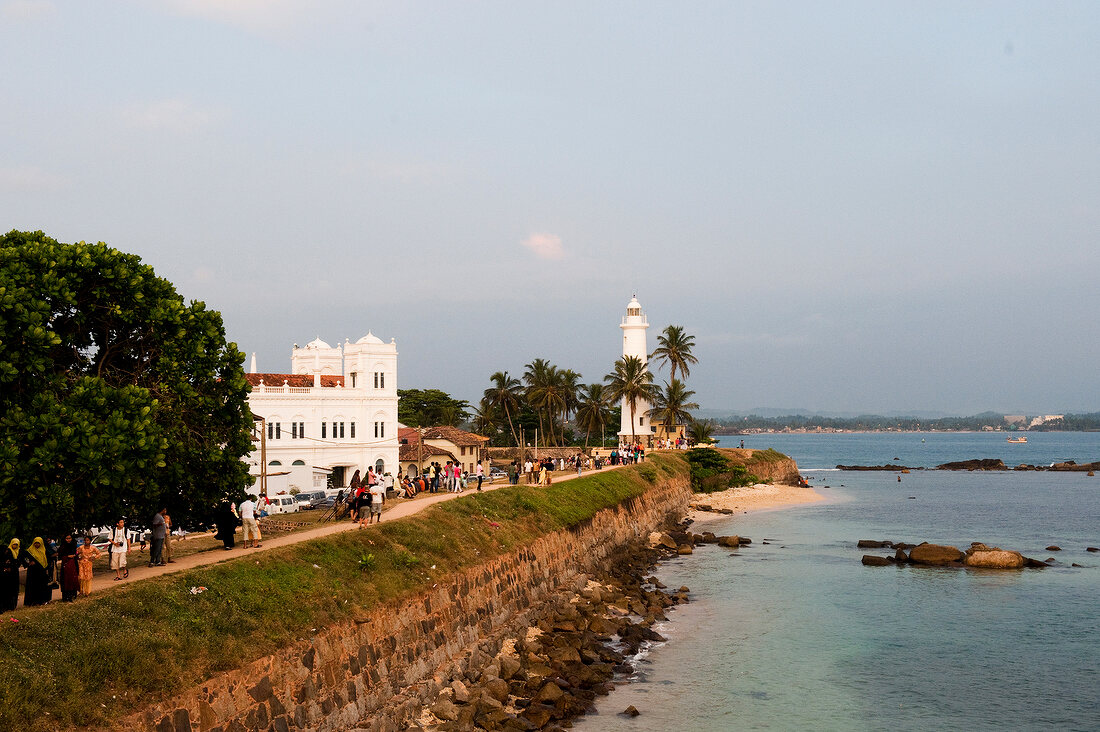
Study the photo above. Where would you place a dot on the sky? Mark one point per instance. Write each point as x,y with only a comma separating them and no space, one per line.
867,207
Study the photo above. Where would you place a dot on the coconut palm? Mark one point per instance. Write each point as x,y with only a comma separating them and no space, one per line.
632,382
485,420
674,348
699,431
593,412
504,395
671,405
540,380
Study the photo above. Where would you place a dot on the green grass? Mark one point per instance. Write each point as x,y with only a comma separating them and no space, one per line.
88,662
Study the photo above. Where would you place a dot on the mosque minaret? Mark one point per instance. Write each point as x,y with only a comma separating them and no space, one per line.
634,328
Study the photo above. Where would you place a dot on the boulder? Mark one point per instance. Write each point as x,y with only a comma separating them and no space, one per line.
630,711
729,541
666,541
875,561
934,554
461,693
1034,563
444,709
498,689
1093,549
872,544
994,559
550,692
684,549
1054,548
987,464
509,667
901,556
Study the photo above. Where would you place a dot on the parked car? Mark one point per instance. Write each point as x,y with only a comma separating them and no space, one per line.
281,504
497,474
101,542
310,499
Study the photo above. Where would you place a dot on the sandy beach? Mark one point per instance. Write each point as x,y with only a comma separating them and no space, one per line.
759,497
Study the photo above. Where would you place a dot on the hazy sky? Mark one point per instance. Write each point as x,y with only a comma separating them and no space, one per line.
853,206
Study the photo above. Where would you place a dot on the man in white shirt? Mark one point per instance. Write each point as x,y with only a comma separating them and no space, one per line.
378,493
248,522
527,466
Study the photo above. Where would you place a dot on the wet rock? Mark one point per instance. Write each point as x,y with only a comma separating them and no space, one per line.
732,542
1034,563
497,689
630,711
684,549
900,556
871,560
934,554
1054,548
1093,549
872,544
986,464
1075,564
550,692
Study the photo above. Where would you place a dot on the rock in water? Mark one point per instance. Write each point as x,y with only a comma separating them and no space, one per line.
872,544
934,554
874,561
731,542
994,559
630,711
1054,548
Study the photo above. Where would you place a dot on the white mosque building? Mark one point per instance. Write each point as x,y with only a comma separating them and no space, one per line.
335,413
634,326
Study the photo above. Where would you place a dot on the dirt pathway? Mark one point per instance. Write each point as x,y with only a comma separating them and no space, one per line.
396,508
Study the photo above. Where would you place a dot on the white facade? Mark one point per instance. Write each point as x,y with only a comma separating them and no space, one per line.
634,326
336,412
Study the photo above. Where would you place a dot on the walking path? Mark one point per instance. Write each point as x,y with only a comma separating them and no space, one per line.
403,508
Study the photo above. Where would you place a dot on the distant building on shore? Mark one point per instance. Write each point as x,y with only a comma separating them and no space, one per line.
335,413
634,326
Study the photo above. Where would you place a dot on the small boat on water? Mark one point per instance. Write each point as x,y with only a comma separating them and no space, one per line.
1016,440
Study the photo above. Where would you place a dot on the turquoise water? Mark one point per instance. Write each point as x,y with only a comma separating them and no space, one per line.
797,634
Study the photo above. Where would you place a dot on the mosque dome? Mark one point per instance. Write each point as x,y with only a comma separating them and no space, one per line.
369,338
317,343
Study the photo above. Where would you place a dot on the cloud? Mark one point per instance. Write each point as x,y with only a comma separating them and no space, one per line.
30,179
28,10
171,115
545,246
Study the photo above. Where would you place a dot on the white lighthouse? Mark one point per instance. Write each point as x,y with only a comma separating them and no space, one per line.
634,328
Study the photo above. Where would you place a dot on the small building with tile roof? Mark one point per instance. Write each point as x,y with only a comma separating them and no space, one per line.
440,444
333,414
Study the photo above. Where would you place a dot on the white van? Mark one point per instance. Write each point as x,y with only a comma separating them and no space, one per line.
281,504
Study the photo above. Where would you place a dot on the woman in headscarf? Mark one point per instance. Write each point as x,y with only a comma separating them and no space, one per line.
69,578
38,590
85,555
226,522
9,577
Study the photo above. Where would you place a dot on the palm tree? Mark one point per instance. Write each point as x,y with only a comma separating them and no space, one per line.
674,348
699,431
593,412
504,395
671,405
485,419
570,388
633,382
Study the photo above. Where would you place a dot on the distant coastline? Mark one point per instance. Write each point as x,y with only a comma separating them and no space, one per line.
986,422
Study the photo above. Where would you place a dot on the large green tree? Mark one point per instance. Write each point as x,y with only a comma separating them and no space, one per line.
430,408
117,398
593,413
504,396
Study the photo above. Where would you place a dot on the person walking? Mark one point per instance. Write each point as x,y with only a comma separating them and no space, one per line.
68,571
10,564
37,591
85,555
226,521
156,536
480,473
251,530
120,544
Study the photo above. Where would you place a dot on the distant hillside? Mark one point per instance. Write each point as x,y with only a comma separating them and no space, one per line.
870,422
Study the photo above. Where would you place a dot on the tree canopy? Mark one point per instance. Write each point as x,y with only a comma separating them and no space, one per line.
117,398
430,407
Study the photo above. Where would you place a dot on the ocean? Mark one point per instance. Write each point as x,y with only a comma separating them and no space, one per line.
798,634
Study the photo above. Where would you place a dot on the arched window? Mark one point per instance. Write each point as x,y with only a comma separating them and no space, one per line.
379,467
273,463
299,462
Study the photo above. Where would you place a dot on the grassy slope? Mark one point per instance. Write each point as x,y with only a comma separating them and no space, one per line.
102,657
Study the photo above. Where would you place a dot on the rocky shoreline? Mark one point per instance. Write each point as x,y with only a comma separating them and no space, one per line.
579,649
1068,466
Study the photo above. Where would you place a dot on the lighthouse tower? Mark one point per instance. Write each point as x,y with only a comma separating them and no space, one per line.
634,328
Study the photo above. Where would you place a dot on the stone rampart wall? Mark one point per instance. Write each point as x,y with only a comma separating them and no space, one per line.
377,672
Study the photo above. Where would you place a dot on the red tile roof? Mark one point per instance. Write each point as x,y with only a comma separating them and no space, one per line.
297,380
454,435
410,452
